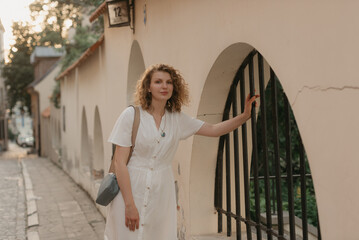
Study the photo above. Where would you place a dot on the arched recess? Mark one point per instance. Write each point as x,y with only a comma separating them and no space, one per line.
233,156
136,67
204,151
56,136
85,146
98,164
53,132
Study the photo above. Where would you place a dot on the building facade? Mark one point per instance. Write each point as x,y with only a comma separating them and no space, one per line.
310,47
46,66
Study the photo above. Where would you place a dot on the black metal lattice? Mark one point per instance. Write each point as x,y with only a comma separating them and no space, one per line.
271,170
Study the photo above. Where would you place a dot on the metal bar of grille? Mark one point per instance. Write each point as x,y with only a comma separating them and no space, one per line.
276,154
245,158
255,152
251,223
264,145
219,169
273,197
289,168
273,205
228,185
236,167
303,192
283,176
218,201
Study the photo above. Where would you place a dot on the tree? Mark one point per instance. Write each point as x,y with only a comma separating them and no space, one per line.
58,16
54,17
18,73
84,37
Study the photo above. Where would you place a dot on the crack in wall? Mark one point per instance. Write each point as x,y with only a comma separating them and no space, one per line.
314,88
322,89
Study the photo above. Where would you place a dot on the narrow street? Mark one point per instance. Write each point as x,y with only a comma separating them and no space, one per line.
40,200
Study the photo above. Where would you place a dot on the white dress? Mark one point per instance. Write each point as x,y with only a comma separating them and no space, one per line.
151,176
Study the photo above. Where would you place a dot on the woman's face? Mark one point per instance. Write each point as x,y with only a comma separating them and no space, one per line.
161,86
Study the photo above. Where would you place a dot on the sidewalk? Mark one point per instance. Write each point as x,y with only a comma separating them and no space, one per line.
12,198
64,211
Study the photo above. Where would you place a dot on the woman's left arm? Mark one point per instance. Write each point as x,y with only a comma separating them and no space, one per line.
219,129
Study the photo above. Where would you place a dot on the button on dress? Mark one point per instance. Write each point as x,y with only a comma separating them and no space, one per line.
151,175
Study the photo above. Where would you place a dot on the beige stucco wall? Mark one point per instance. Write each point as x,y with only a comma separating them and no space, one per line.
53,135
312,47
45,88
83,91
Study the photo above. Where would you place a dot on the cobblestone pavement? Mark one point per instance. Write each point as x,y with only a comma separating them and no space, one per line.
12,198
64,210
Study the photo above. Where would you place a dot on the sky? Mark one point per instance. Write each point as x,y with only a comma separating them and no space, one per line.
12,11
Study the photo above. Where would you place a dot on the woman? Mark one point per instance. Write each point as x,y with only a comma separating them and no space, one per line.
145,208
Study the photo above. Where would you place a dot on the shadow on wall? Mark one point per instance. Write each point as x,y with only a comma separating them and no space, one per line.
204,151
86,155
136,67
98,160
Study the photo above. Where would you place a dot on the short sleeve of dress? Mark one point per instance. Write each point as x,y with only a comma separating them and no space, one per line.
122,131
188,125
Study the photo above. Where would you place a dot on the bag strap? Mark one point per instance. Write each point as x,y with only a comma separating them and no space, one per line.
136,123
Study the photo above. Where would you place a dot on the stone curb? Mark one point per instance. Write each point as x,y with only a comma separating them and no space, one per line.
32,216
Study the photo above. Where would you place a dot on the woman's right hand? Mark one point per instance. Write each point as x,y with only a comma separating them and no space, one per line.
132,218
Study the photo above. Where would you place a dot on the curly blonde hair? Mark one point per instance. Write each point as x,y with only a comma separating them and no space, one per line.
179,96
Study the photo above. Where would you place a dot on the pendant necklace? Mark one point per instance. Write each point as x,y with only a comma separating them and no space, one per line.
163,134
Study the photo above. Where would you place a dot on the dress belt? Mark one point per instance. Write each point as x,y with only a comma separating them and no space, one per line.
159,168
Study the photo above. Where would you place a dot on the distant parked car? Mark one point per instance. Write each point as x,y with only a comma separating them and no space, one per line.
25,141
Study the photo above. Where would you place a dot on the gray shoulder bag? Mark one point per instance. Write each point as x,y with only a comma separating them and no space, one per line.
109,187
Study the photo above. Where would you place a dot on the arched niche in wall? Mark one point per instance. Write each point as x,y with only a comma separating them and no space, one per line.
85,146
56,136
225,174
204,151
136,67
52,128
98,163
